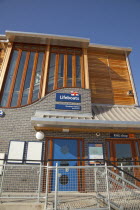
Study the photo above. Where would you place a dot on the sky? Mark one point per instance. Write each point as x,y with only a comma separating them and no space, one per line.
107,22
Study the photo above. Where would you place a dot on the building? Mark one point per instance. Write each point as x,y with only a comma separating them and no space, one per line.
80,95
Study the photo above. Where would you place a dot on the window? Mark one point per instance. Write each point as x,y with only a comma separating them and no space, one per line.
65,69
95,151
22,84
25,73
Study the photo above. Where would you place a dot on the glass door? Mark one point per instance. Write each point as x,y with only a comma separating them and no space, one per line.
123,153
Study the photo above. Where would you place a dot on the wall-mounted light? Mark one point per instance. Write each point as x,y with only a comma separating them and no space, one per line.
39,135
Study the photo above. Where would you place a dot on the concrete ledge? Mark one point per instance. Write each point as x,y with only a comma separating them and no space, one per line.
21,206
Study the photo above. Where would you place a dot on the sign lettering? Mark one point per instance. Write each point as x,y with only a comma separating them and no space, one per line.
67,107
66,97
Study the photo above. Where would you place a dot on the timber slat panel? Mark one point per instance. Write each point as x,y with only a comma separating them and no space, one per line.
109,78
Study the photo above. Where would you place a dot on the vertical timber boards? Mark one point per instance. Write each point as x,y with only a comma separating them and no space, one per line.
120,78
109,78
4,63
2,54
99,78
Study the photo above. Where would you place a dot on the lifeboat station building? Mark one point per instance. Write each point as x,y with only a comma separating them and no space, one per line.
66,100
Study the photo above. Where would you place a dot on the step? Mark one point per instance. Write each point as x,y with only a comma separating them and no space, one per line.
21,206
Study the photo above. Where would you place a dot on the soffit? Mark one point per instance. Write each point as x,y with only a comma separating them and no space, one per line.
38,38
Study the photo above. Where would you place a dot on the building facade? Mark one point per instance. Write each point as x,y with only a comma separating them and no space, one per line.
80,96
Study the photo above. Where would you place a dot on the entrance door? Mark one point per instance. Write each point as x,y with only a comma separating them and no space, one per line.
127,151
124,152
121,151
67,178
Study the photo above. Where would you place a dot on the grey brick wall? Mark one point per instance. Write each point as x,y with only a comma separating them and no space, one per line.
16,124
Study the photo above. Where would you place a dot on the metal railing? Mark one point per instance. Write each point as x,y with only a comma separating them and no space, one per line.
98,186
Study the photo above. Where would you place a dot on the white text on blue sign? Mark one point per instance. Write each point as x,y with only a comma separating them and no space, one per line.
66,97
67,107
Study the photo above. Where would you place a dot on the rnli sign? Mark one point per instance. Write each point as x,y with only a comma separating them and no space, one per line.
69,97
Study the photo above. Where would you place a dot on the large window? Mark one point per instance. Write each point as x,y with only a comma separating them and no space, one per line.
24,79
22,85
65,68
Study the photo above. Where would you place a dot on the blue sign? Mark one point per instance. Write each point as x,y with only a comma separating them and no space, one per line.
67,107
1,113
66,97
119,135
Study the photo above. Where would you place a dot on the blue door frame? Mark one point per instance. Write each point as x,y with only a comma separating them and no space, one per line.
65,149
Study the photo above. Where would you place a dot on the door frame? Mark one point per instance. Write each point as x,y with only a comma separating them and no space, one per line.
130,141
135,152
48,154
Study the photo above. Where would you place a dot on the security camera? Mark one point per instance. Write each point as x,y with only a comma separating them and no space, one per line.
98,134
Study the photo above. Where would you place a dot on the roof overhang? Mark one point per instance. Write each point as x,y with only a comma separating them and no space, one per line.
39,38
67,123
110,49
3,37
67,120
58,40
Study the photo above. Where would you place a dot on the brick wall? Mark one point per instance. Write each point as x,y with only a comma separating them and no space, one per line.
16,124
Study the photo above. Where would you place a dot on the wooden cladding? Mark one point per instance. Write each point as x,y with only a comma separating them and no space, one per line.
109,78
32,71
4,62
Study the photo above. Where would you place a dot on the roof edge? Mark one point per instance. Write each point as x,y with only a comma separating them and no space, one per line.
125,49
42,35
2,36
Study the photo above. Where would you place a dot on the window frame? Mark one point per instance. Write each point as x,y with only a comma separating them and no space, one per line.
43,86
58,50
22,48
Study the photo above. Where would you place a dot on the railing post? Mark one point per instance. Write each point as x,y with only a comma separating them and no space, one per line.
107,185
46,196
95,177
39,181
56,186
122,174
2,179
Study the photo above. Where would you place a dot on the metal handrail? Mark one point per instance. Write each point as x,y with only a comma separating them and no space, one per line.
120,169
100,161
85,159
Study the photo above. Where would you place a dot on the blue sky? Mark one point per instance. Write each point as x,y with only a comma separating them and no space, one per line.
109,22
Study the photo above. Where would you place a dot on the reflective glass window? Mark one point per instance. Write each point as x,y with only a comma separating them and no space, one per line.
69,81
51,72
18,80
78,72
9,78
28,79
38,77
60,71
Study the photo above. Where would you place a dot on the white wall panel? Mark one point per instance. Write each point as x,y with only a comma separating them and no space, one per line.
16,151
34,152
